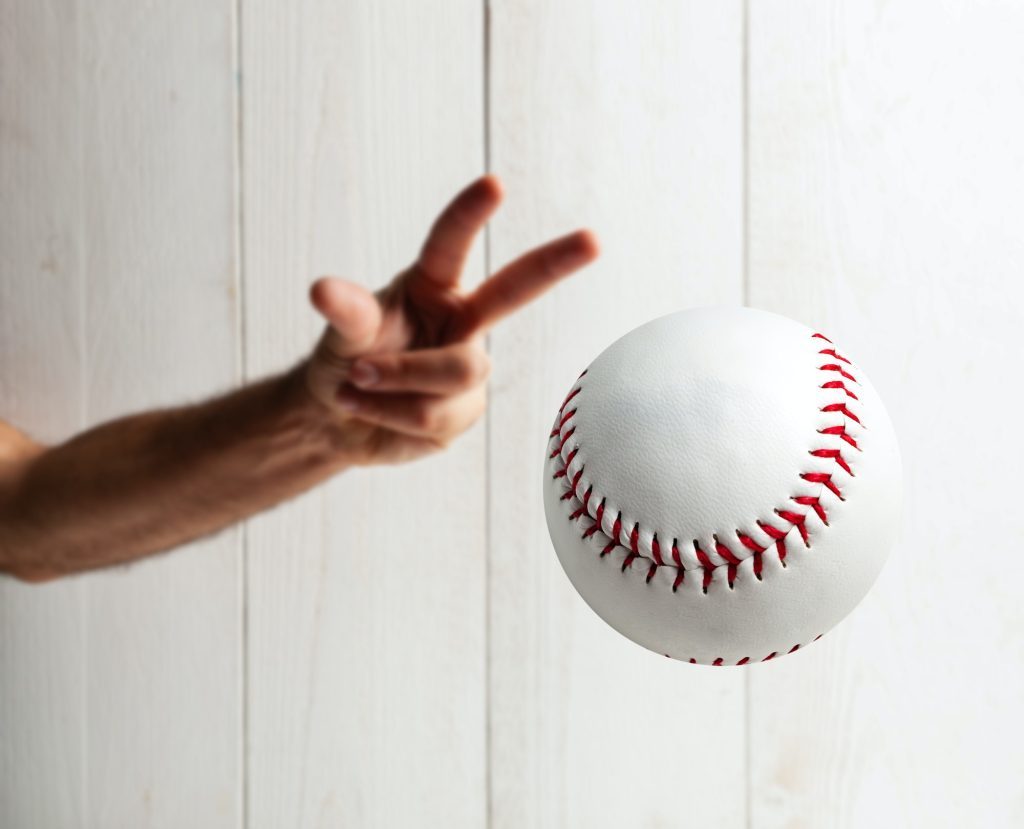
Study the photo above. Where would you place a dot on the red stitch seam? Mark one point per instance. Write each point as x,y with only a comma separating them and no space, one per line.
720,661
730,561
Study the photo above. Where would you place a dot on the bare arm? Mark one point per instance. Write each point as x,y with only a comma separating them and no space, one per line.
152,481
396,375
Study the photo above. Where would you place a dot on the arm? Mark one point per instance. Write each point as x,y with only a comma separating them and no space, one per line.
396,375
152,481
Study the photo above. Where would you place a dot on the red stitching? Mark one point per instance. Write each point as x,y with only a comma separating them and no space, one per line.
822,478
815,504
838,384
797,520
597,520
725,552
833,367
841,407
773,532
568,435
565,417
562,472
719,661
656,551
831,352
702,557
749,543
840,432
836,455
730,562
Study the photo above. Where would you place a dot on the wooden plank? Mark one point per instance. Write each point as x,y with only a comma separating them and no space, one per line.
130,241
42,663
630,123
886,166
119,690
366,598
162,638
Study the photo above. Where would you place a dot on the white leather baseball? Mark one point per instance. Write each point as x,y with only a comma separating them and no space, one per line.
722,485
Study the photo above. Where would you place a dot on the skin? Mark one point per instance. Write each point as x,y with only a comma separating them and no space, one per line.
396,375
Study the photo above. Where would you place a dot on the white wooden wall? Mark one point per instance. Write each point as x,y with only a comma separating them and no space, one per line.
400,648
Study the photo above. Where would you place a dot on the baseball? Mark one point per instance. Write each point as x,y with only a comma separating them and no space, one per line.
722,485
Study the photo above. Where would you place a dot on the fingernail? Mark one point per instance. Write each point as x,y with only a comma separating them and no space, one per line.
363,374
346,403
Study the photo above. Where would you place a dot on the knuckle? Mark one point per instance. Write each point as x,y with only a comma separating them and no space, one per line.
425,417
471,367
392,369
461,370
483,365
441,442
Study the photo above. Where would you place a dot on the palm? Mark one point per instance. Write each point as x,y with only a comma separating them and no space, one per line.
421,332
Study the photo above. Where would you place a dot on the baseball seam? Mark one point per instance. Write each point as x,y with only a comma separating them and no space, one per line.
746,660
761,537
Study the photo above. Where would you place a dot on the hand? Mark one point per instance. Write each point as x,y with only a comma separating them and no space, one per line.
403,371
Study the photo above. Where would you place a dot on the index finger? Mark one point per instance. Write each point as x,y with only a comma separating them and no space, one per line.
526,278
450,238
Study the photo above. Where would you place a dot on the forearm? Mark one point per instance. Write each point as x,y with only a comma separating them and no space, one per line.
152,481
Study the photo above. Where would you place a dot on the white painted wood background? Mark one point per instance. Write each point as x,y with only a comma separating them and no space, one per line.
400,648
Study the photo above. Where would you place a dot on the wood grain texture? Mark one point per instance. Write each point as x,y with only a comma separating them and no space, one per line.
162,638
120,690
366,599
400,647
42,664
886,166
631,123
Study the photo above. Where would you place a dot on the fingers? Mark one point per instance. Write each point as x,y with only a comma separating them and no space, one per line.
431,395
529,276
447,246
353,313
438,419
449,370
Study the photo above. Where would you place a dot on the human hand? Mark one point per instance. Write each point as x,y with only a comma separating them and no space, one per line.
403,371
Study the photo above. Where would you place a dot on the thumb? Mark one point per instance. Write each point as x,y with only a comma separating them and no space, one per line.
353,315
353,322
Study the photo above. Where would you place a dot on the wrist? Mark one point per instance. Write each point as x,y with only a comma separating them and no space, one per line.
324,430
